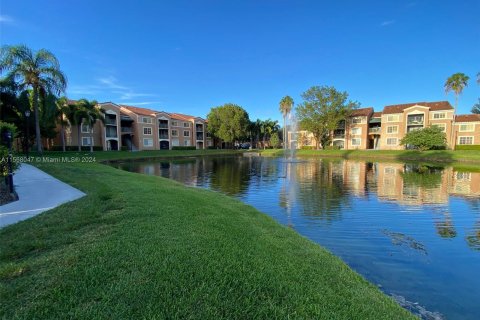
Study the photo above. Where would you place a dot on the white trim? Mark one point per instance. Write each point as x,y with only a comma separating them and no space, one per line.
146,117
359,133
147,134
356,145
89,139
393,115
85,124
174,135
466,124
434,113
394,126
186,131
392,144
147,145
466,144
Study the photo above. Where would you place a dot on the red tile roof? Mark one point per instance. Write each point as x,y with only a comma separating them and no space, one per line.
377,114
434,106
362,112
467,118
140,111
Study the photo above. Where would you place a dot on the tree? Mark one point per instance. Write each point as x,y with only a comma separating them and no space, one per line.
456,83
275,140
87,113
286,105
426,139
40,70
228,122
476,107
321,111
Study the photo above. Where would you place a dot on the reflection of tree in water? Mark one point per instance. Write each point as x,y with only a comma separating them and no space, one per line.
445,227
423,176
473,237
230,175
322,191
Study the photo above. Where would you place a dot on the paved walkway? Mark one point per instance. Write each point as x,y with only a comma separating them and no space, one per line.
37,192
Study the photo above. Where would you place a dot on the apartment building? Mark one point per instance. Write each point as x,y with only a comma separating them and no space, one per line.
366,129
134,128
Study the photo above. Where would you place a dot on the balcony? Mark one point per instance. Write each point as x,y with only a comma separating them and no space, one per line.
110,121
199,135
374,130
415,120
339,136
126,130
111,132
163,125
163,136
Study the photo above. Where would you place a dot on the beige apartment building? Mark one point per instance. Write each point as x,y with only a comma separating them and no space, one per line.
366,129
133,128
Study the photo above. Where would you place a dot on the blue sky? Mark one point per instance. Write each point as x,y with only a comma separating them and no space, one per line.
189,56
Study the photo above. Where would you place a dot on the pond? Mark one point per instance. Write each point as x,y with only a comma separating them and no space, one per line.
412,229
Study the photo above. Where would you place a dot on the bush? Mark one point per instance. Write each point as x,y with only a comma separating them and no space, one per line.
7,126
124,148
307,148
332,148
75,148
468,147
211,147
425,139
184,148
4,162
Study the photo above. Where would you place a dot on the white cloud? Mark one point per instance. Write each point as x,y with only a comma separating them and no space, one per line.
6,19
387,23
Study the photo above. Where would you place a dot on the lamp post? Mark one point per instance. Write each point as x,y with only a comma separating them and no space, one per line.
7,135
27,118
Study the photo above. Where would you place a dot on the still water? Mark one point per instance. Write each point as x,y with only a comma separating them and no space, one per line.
411,229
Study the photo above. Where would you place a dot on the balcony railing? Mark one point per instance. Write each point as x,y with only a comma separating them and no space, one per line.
163,125
374,130
199,136
111,133
163,136
339,136
126,130
110,121
415,122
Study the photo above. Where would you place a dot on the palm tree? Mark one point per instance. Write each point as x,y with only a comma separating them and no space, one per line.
87,113
63,111
456,83
286,105
40,70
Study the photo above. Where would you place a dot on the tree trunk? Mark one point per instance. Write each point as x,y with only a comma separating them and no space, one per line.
91,141
38,137
62,135
79,128
284,132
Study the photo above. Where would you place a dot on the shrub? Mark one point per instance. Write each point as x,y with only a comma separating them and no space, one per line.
425,139
75,148
7,126
307,148
124,148
211,147
184,148
468,147
4,162
332,148
275,140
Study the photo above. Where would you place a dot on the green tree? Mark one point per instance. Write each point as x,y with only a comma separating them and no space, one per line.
456,83
285,107
321,111
39,71
426,139
228,122
476,107
88,113
275,140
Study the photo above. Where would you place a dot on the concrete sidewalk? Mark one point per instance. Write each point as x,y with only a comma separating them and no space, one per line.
37,192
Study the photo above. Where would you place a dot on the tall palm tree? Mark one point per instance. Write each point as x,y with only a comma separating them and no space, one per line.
63,110
40,70
286,105
456,83
87,113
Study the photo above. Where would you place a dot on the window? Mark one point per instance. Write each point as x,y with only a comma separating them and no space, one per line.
392,129
85,128
439,115
174,133
389,170
356,141
357,120
186,133
465,140
148,142
442,126
356,131
392,141
463,176
86,141
174,123
147,131
186,125
186,143
393,118
146,120
467,127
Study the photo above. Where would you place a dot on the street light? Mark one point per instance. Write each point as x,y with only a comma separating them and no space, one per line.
27,117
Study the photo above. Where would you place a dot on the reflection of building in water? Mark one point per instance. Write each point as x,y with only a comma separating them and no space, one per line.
465,184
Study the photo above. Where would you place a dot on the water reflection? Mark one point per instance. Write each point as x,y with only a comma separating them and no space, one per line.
413,228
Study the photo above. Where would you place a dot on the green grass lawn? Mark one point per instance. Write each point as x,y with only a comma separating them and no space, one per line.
144,247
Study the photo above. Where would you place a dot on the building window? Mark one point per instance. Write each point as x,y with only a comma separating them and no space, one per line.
147,131
174,133
186,143
356,131
146,120
393,118
392,141
186,124
357,120
463,176
186,133
356,141
174,123
86,141
85,128
392,129
148,142
442,126
465,140
439,115
389,170
467,127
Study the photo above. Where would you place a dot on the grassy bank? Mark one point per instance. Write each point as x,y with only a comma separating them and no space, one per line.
146,247
446,156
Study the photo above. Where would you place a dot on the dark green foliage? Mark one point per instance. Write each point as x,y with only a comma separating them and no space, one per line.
184,148
429,138
468,147
476,107
275,140
75,148
228,122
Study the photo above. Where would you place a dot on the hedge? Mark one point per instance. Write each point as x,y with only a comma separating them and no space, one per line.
75,148
184,148
468,147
